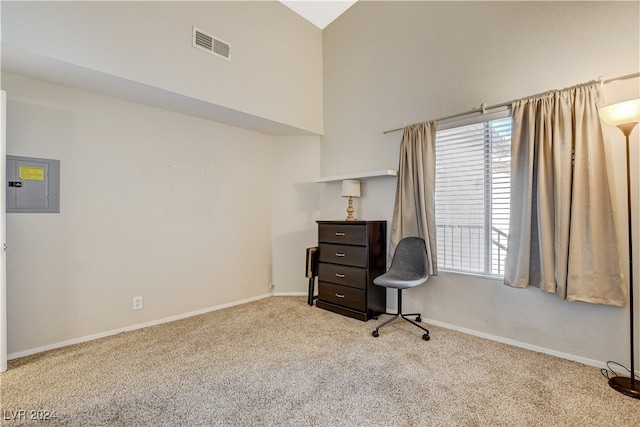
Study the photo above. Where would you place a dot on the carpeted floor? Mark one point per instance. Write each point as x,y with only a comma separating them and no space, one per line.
279,362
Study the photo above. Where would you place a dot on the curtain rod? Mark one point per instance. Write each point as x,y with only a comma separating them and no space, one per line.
483,107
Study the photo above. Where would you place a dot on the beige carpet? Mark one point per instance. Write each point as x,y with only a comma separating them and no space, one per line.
280,362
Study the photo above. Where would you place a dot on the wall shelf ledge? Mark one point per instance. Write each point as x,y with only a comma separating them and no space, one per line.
358,175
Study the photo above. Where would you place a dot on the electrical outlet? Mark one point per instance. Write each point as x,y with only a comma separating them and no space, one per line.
137,303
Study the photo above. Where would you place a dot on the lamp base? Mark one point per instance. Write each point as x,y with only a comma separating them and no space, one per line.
624,386
350,210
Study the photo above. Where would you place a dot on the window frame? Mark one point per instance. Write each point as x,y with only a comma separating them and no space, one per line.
500,114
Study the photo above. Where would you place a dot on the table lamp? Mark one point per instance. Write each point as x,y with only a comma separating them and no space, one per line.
350,189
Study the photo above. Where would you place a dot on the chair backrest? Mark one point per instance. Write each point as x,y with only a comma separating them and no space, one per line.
411,257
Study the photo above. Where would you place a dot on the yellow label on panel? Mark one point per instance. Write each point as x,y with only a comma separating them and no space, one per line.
31,173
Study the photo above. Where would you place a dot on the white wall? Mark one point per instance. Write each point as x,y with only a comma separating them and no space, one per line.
295,207
390,63
125,230
167,206
153,203
275,71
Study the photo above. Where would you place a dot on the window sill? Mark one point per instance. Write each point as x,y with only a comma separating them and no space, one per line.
493,278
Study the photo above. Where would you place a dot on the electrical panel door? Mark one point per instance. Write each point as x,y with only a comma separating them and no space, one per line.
33,185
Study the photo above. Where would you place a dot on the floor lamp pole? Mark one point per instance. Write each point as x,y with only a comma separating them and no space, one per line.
628,386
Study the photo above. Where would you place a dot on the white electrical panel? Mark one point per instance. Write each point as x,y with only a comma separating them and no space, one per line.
33,185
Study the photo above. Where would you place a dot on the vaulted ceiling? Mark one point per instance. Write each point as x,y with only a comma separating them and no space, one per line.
319,12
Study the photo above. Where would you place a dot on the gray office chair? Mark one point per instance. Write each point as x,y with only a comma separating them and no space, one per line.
409,268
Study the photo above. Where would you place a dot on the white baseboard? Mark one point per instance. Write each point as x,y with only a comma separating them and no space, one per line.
290,294
520,344
544,350
526,346
132,327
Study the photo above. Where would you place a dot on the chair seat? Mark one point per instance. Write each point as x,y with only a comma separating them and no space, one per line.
399,279
409,267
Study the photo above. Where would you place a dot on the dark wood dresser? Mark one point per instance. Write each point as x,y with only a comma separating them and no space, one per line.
351,255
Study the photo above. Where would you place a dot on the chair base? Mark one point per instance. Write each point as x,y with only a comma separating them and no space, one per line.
425,336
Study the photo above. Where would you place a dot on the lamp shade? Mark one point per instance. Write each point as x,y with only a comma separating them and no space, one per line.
622,113
350,188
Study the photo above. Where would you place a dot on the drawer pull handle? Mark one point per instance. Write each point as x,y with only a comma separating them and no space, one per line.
340,295
340,234
340,275
340,254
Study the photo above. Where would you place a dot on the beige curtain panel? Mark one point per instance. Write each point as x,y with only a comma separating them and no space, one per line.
562,235
414,211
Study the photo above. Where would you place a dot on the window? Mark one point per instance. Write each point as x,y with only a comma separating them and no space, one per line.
473,163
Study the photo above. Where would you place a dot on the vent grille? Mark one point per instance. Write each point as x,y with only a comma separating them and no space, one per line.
211,44
203,41
221,48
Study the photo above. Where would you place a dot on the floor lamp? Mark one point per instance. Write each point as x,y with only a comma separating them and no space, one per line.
626,116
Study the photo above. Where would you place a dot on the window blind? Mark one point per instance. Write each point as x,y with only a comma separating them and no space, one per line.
472,196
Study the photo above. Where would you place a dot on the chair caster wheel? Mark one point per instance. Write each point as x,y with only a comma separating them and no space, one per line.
426,337
418,319
375,334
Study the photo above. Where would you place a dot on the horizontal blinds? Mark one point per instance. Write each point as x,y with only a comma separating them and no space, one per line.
472,196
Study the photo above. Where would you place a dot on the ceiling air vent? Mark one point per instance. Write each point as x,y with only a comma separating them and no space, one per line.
211,44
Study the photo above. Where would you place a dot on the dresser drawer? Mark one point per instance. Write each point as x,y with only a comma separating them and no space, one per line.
339,233
355,277
355,256
342,295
